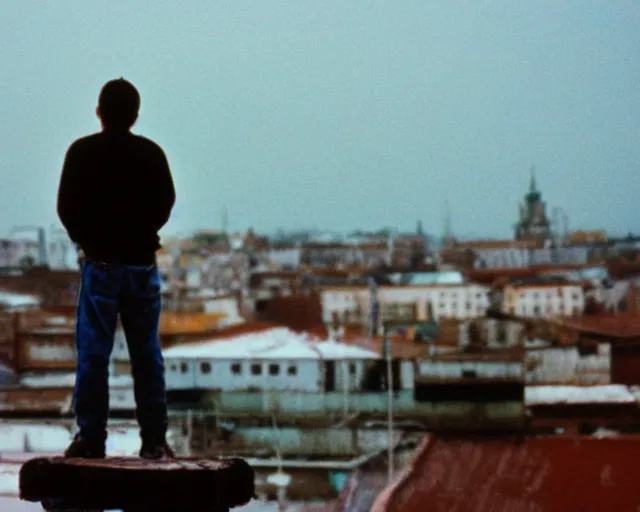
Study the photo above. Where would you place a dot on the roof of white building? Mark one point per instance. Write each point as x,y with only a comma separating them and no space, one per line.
18,300
553,395
275,343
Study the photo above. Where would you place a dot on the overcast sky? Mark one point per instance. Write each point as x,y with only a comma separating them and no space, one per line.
344,114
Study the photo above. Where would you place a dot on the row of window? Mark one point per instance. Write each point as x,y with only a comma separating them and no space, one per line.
442,295
236,368
273,369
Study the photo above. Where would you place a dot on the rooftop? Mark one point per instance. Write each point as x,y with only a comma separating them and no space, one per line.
622,325
12,300
270,343
527,474
558,395
67,380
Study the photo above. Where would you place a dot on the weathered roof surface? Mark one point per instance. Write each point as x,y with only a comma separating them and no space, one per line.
556,395
490,275
622,325
535,474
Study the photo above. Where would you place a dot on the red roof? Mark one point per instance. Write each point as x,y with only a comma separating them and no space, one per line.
534,474
488,276
623,325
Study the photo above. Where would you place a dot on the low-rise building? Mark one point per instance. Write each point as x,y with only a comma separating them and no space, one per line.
268,360
457,301
544,299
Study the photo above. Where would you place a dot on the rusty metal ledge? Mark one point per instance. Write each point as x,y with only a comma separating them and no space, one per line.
131,482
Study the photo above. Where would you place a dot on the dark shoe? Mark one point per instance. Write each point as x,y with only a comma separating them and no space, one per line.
84,448
156,450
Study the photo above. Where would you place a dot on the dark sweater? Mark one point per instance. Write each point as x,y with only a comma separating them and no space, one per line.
116,192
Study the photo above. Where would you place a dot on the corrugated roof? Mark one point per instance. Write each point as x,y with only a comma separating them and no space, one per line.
622,325
535,474
490,275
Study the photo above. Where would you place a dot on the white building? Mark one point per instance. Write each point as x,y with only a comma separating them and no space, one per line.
566,366
539,300
273,359
457,301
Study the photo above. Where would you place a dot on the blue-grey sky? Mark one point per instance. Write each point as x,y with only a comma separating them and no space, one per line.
338,114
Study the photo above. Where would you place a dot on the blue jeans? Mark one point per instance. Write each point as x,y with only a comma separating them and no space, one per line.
133,292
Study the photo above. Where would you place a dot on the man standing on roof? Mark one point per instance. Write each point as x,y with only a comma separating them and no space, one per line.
116,192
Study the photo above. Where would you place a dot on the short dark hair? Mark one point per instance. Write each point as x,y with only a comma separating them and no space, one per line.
119,103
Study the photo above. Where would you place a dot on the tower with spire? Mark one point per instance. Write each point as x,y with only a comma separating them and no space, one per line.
533,222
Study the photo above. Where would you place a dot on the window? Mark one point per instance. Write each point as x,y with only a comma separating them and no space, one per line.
469,374
236,368
256,369
274,369
352,368
399,311
184,367
292,370
536,310
205,367
174,367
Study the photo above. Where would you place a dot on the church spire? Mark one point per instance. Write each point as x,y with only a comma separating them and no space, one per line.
534,194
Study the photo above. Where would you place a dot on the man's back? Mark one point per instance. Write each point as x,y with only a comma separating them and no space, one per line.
116,192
